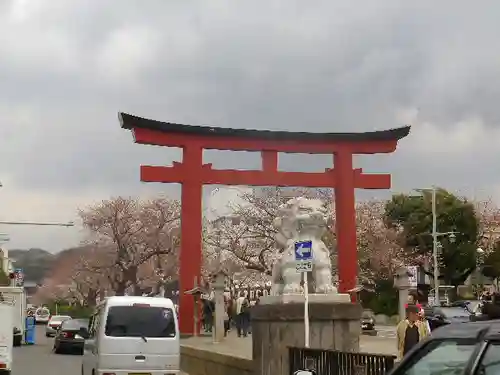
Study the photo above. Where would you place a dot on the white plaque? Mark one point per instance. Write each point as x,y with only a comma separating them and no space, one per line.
304,266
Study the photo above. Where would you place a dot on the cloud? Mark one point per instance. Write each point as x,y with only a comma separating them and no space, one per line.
67,68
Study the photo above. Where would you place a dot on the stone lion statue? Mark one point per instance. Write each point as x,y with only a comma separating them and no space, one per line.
302,219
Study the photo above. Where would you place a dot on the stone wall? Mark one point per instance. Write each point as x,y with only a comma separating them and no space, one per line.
196,361
277,327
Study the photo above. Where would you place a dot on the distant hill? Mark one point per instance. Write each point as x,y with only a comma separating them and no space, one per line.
36,263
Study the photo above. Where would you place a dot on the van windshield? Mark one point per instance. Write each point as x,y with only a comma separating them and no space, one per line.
140,321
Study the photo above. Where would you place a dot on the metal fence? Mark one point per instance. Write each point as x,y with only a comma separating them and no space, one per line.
331,362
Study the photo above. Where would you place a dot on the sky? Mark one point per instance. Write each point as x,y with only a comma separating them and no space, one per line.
68,67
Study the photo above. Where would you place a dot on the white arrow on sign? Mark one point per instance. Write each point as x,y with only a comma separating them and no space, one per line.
301,248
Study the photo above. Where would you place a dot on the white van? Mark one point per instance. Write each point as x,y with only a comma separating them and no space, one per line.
133,335
42,315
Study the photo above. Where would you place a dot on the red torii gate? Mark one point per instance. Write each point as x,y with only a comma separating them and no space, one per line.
192,173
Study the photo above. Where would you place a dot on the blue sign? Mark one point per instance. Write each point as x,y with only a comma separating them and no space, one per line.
303,250
19,276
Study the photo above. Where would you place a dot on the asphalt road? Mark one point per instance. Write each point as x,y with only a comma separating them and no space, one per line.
39,359
386,331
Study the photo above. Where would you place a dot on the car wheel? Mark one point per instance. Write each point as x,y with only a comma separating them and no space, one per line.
57,349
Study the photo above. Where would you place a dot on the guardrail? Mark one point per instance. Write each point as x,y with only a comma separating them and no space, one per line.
331,362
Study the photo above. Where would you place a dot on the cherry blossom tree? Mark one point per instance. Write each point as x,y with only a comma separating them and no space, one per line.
488,214
379,249
86,284
248,238
130,234
50,291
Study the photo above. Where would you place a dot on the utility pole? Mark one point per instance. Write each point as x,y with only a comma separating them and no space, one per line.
435,246
435,241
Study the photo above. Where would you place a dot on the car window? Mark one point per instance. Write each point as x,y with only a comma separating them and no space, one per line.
59,318
75,324
441,357
490,363
140,321
42,312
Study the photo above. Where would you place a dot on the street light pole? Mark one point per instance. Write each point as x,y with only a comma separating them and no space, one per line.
435,248
68,224
435,241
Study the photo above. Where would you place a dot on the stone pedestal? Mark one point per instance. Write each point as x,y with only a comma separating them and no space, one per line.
278,326
218,328
299,298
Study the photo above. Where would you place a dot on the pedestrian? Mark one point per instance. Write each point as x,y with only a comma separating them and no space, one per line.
424,322
412,300
242,315
409,331
226,318
230,312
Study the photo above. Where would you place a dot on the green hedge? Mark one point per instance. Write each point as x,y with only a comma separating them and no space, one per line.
384,300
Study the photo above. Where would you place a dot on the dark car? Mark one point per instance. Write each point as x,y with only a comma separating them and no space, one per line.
71,336
465,349
368,322
441,316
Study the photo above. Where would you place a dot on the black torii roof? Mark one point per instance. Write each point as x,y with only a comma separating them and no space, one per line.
129,121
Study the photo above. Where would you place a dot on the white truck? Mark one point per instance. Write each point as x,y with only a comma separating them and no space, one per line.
6,339
16,296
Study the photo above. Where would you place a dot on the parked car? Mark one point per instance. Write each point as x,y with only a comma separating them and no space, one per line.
71,336
441,316
465,349
54,323
368,322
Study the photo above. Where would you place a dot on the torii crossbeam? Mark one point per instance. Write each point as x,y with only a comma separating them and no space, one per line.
192,173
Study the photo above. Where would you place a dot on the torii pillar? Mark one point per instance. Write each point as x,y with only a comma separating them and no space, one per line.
192,173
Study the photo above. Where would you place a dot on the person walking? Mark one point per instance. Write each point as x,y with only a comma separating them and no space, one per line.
227,312
410,331
424,322
242,307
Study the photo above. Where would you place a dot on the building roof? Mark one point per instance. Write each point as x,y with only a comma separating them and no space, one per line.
129,121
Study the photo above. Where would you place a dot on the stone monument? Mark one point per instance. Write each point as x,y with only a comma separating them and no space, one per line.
278,322
402,284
